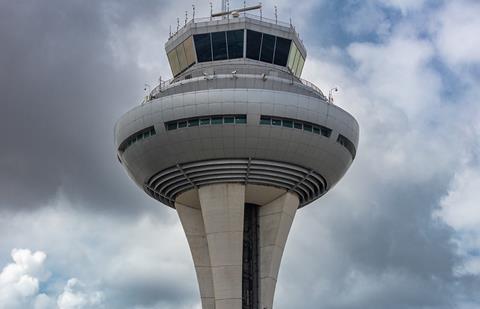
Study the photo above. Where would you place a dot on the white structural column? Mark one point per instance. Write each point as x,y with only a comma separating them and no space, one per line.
275,220
194,227
222,207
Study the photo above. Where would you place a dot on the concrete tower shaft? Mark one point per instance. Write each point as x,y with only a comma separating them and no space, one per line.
236,142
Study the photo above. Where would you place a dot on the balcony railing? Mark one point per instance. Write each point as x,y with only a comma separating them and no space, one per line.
171,83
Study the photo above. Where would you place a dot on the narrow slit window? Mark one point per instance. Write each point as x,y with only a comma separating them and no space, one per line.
287,123
204,121
276,122
265,120
193,123
182,124
241,119
297,125
217,120
171,126
229,119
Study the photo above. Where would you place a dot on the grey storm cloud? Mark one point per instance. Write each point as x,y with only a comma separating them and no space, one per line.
69,69
61,93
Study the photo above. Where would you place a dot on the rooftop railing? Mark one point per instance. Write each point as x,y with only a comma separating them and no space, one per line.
171,83
230,17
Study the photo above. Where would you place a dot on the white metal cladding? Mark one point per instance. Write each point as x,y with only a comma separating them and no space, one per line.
169,183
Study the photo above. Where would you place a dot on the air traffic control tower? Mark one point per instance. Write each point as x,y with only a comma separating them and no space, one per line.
236,143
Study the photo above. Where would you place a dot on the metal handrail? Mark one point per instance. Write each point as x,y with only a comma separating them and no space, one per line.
220,18
164,85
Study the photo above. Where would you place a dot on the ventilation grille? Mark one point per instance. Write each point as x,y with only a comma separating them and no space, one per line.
166,185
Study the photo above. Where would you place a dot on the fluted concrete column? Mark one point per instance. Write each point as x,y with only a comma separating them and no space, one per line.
222,208
275,220
194,227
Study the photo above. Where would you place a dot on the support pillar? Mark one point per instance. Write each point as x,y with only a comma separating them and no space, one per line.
223,210
213,218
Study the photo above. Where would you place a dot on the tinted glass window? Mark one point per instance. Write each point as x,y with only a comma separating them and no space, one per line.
268,44
265,120
193,123
241,119
276,122
235,44
288,123
219,43
203,47
229,120
205,121
281,51
254,40
217,120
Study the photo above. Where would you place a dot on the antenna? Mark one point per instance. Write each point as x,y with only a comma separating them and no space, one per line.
249,8
186,17
178,24
193,13
224,6
276,15
211,10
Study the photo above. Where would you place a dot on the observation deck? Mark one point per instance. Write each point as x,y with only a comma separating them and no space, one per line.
236,142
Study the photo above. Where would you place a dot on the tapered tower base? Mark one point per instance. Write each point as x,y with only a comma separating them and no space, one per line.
237,235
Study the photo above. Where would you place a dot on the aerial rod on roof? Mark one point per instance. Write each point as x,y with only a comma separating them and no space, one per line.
244,9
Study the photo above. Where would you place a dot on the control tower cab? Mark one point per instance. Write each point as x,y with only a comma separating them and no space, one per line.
236,142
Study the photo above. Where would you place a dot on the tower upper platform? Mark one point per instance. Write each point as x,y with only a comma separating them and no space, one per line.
235,39
236,111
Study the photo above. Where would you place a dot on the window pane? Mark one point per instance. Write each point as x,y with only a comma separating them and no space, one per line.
316,130
193,123
229,119
297,125
205,121
189,51
241,119
217,120
203,47
268,44
291,55
182,58
219,43
171,126
287,123
307,127
146,134
301,62
326,131
235,44
173,60
182,124
276,122
152,131
295,62
253,44
281,51
265,120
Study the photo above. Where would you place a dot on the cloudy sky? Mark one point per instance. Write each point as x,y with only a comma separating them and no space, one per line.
401,230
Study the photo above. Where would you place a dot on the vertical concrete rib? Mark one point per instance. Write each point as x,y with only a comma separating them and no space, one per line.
222,208
194,227
275,220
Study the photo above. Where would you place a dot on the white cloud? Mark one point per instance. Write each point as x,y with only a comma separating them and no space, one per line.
75,296
456,31
404,6
19,281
